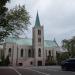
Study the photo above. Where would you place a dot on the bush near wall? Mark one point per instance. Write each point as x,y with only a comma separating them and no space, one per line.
50,61
5,61
61,57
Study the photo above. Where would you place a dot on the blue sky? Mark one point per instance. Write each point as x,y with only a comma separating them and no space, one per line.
57,17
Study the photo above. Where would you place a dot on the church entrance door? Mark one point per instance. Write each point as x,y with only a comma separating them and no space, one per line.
39,63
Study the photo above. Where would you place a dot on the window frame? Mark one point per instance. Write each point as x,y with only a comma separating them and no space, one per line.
29,53
39,52
22,52
39,40
39,32
9,51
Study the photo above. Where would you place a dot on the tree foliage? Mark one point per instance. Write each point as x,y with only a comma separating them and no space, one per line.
18,19
70,46
61,57
14,21
50,60
3,21
5,61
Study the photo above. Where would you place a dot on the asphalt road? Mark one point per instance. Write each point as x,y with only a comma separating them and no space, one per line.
48,70
7,71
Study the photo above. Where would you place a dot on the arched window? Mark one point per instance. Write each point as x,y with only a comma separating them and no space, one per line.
21,52
9,52
39,39
39,52
39,32
49,53
29,53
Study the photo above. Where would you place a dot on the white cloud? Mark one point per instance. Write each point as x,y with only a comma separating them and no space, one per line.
58,16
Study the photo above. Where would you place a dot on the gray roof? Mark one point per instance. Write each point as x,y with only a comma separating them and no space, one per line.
28,42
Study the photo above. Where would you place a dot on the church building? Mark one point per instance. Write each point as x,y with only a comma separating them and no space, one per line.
30,52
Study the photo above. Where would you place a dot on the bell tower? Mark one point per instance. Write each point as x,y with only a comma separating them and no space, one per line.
38,43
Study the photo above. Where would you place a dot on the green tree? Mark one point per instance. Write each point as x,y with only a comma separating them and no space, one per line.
2,60
58,56
49,60
70,46
19,19
14,21
3,20
62,56
7,61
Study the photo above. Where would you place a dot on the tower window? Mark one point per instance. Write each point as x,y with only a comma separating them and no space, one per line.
9,52
39,32
21,52
39,39
39,52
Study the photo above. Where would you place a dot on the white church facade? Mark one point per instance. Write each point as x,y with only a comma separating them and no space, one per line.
30,52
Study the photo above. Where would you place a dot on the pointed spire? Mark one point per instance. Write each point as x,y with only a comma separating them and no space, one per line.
54,40
37,22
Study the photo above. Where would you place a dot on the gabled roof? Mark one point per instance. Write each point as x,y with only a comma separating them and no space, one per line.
37,22
28,42
49,43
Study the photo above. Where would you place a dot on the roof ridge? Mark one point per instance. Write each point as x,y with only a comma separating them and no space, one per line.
48,40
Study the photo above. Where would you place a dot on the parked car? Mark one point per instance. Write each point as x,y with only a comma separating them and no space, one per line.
68,64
